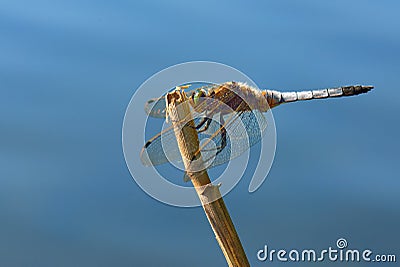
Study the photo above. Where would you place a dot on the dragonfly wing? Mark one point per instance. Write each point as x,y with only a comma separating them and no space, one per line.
244,130
155,107
160,149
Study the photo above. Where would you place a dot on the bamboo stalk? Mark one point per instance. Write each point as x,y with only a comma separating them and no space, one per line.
178,111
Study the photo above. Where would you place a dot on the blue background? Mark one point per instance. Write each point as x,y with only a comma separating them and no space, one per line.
69,68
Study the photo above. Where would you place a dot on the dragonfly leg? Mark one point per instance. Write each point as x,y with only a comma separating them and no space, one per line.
206,122
223,136
222,133
223,141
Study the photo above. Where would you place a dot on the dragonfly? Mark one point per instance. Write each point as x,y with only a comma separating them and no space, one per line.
231,107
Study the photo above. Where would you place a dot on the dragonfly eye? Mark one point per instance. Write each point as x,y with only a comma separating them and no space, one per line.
199,93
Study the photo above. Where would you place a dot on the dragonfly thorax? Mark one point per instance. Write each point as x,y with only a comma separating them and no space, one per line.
239,97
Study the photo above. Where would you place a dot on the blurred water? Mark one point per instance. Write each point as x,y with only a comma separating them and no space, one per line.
68,70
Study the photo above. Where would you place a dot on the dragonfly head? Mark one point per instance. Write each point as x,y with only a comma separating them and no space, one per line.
197,95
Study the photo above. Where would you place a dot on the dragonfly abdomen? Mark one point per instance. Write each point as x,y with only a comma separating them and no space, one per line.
275,98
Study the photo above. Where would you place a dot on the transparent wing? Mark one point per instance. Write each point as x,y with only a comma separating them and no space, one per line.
244,129
162,148
155,107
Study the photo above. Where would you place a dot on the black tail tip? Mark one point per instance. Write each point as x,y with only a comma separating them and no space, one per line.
367,87
360,89
357,89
